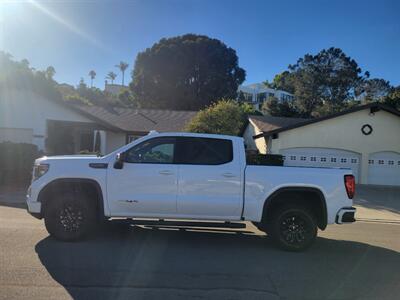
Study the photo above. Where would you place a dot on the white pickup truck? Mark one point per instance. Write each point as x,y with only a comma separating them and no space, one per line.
193,177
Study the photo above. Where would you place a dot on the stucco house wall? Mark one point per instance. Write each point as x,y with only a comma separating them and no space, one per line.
344,133
252,144
23,113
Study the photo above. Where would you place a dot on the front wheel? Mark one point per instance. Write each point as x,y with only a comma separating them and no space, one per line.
293,228
69,217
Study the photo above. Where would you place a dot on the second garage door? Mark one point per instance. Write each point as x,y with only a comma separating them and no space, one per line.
322,157
384,168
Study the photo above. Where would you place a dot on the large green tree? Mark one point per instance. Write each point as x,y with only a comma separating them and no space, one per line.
329,77
273,107
373,90
325,82
282,81
187,72
393,98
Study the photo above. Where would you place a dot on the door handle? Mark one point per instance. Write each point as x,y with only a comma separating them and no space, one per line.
229,175
166,172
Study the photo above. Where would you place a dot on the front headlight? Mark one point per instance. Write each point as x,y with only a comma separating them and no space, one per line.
40,170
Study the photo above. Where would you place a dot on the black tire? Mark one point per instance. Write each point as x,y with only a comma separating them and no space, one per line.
293,228
69,217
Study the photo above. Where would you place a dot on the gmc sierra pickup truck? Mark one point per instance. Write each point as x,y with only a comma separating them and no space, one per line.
201,178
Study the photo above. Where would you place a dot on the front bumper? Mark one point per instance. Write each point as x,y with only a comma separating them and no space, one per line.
346,215
33,207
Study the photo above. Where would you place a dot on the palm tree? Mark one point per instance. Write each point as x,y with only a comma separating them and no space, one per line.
92,75
50,71
111,75
122,67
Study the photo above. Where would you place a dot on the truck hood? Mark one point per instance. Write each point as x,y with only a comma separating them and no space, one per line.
65,158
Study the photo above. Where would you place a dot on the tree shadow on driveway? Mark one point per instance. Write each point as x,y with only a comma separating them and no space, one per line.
139,263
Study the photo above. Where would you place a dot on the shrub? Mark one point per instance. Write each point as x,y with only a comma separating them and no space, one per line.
16,162
224,117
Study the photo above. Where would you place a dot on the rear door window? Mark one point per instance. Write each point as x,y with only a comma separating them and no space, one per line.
203,151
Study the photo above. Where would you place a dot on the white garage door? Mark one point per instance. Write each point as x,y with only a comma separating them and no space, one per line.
384,168
322,157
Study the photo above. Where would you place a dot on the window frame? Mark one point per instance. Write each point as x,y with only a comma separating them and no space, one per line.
172,138
180,139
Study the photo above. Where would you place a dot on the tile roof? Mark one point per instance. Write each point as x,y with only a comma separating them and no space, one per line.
140,120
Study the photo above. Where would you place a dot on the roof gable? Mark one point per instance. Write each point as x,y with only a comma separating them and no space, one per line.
269,123
373,107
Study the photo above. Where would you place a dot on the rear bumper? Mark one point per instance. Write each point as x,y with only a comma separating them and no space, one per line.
346,215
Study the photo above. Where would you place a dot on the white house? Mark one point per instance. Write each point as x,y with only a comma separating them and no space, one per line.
114,88
257,93
59,128
365,139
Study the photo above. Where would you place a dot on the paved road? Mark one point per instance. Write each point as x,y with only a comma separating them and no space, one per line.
358,261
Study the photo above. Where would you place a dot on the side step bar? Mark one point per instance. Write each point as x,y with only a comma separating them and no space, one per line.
162,222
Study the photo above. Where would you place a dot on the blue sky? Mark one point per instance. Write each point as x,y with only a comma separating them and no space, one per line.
76,37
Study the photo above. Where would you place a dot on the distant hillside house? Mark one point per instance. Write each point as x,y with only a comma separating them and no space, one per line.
257,93
60,128
114,89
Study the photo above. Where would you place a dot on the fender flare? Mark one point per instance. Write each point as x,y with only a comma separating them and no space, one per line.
321,197
95,183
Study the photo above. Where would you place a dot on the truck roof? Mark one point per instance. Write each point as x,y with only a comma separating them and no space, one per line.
191,134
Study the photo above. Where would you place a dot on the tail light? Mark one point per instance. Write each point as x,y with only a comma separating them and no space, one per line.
350,184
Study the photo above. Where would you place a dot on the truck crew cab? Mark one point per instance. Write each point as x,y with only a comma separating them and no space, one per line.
188,176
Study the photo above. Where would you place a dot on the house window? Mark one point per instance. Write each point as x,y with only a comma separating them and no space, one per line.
333,159
313,158
245,97
292,157
261,97
343,160
323,159
353,160
248,97
398,162
391,162
303,158
381,162
370,161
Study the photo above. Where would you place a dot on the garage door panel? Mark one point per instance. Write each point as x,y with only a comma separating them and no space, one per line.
384,168
322,158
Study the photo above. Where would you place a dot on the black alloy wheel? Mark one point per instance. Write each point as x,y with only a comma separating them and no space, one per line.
293,228
69,217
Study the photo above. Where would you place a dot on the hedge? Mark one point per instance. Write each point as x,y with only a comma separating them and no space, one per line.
16,162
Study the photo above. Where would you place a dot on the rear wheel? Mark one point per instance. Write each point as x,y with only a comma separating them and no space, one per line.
293,228
69,216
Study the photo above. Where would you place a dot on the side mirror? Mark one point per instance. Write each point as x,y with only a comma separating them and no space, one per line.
119,162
